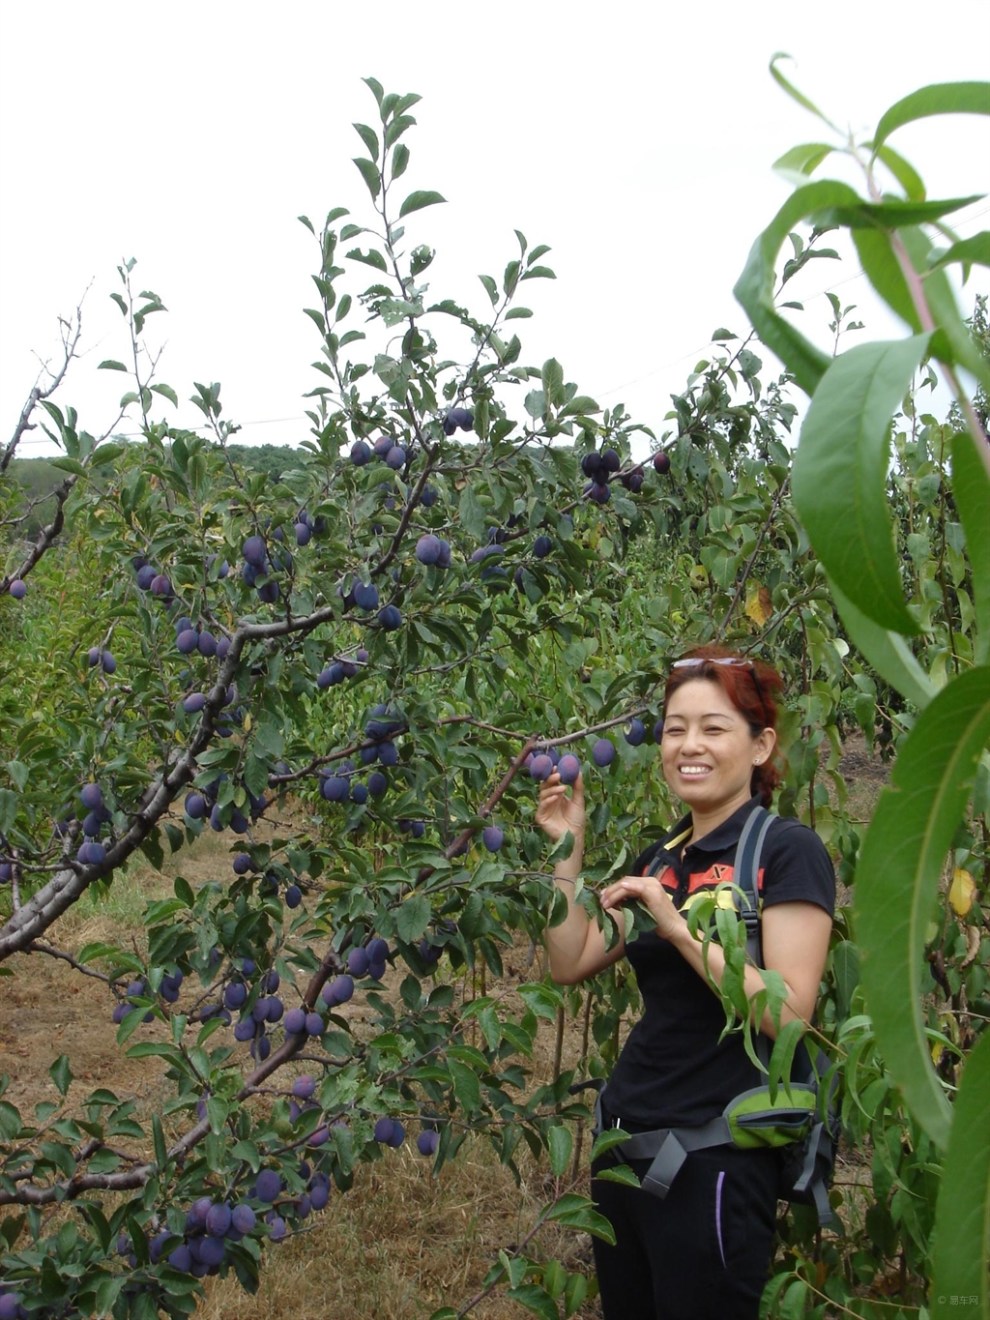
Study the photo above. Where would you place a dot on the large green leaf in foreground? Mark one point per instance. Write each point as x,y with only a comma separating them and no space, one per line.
897,878
962,1220
840,475
972,98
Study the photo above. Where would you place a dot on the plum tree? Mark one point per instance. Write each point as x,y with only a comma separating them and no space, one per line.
387,710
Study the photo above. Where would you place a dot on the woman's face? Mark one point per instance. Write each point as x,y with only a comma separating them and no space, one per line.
708,750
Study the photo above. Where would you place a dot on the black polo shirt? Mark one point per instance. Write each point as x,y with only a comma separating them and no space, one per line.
673,1069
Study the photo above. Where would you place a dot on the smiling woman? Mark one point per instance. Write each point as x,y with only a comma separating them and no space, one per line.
719,737
702,1248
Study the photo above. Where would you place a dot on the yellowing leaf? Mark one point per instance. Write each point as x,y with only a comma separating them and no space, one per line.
962,892
758,605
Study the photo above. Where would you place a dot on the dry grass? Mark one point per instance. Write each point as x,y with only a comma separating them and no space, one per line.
400,1244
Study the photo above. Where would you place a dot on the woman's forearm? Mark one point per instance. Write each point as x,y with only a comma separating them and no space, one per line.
566,942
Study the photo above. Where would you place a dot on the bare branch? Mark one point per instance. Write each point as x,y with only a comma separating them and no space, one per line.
71,332
36,946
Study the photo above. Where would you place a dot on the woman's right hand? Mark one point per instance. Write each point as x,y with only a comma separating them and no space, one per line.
559,812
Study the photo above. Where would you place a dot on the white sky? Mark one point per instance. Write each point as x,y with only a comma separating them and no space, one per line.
637,140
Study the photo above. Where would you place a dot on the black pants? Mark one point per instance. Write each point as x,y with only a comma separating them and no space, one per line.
702,1253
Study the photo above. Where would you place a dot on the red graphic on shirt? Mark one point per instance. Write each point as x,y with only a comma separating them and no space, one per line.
720,873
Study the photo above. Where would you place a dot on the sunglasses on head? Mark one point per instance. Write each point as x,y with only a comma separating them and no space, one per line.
696,662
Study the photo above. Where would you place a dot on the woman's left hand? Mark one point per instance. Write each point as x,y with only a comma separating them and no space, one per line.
647,890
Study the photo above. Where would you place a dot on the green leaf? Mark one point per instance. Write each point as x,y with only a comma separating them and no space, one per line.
967,251
111,364
166,392
580,404
904,173
803,159
534,1299
791,90
369,172
881,267
183,891
370,258
158,1137
619,1173
579,1212
417,200
552,377
400,159
68,465
971,491
961,1248
466,1086
377,89
560,1144
535,404
61,1074
100,950
892,213
9,803
370,139
413,918
543,1000
887,652
396,128
953,340
840,472
897,878
606,1140
936,99
755,287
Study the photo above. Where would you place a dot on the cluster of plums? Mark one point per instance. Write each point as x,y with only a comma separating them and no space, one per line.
96,815
601,466
342,784
387,450
542,762
203,802
212,1224
366,597
341,668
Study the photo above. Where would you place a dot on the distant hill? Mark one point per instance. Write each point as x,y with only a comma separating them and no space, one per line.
36,478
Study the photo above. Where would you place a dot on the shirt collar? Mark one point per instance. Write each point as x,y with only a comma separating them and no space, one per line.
722,836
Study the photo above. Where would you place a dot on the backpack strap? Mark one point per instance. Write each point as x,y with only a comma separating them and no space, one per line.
746,871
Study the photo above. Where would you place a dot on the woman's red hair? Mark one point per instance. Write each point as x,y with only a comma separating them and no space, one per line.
752,686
